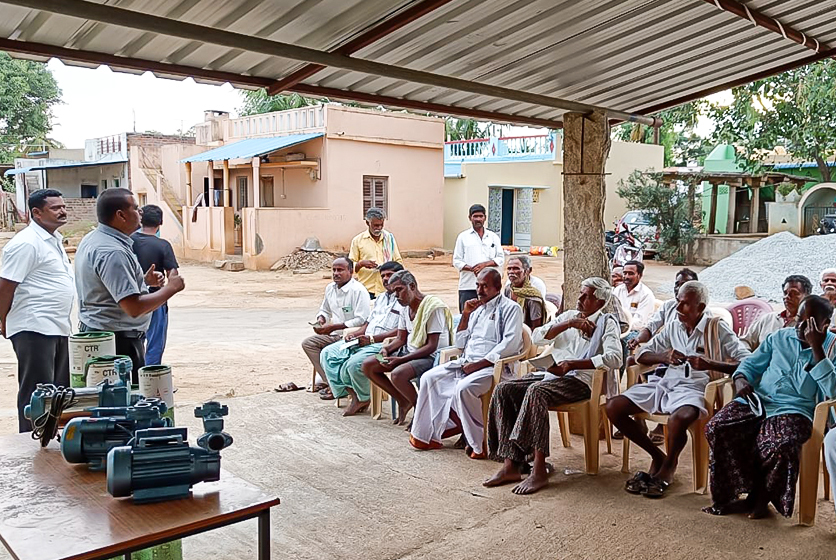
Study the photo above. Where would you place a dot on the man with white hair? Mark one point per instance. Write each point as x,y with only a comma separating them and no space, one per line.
685,352
370,249
518,420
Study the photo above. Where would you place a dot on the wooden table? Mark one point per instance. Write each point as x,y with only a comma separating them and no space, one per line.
51,510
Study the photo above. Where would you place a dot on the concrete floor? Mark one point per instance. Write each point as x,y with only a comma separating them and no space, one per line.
354,488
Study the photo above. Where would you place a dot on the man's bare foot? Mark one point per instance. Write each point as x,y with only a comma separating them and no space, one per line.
402,412
760,509
534,482
737,506
356,407
506,475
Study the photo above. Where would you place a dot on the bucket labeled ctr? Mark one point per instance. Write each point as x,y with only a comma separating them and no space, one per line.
156,382
100,368
84,347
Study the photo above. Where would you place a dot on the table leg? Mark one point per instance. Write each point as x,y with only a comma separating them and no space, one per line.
264,535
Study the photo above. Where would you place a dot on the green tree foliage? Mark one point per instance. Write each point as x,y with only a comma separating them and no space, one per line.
796,109
257,101
670,209
464,129
682,144
28,91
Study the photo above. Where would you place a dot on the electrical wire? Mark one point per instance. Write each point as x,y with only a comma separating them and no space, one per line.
45,428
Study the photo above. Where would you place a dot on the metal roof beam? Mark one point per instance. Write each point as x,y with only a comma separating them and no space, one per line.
743,11
83,9
90,57
363,40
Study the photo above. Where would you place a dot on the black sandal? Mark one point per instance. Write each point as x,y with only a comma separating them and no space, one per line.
655,489
638,483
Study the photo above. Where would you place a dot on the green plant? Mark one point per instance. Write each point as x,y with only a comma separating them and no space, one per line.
786,187
669,208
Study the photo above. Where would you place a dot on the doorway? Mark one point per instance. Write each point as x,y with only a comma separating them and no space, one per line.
506,234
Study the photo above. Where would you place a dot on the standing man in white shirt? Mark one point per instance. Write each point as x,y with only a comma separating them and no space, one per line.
346,305
37,289
476,249
635,298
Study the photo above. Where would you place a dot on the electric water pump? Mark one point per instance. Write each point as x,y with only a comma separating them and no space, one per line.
48,402
87,440
159,464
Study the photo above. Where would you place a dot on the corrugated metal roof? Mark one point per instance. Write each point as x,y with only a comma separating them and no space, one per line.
627,55
805,165
63,165
252,147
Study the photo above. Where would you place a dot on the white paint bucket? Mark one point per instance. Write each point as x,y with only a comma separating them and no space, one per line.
85,346
156,382
100,368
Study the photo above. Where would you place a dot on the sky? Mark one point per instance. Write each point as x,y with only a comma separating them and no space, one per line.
101,102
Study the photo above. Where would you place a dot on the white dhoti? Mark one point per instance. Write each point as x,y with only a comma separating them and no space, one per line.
663,395
443,388
830,458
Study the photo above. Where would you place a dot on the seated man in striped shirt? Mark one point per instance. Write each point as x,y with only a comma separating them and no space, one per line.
343,362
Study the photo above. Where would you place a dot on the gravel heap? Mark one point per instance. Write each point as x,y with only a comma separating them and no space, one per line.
305,260
763,265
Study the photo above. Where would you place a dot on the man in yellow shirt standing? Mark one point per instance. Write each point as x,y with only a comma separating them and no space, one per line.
372,248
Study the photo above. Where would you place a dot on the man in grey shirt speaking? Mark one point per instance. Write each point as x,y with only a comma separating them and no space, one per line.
112,288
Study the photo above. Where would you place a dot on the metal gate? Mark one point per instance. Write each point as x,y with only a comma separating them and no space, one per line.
812,217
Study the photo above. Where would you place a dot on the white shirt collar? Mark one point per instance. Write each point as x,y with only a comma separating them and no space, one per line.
44,234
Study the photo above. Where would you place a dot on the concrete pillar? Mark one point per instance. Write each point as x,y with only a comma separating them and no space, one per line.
211,173
712,214
256,181
189,193
756,207
226,202
732,209
586,146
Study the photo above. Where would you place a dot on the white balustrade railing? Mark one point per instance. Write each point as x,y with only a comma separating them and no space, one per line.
528,147
292,121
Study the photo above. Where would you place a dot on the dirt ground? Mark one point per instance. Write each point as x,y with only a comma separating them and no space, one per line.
353,488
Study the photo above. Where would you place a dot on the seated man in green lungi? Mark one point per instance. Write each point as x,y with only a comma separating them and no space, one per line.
343,362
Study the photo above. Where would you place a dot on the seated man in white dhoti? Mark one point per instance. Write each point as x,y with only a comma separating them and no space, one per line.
449,399
690,347
518,420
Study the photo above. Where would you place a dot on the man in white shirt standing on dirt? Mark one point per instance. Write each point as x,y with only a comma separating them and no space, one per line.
37,288
635,298
477,248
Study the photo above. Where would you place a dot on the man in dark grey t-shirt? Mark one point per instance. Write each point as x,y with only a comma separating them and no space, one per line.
112,288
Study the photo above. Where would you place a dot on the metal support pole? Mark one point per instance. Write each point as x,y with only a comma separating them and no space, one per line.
264,535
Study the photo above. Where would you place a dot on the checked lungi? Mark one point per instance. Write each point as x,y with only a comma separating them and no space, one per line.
751,454
518,420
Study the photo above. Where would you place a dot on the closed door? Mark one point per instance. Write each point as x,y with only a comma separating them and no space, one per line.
507,233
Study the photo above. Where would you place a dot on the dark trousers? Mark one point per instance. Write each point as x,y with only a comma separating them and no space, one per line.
464,296
128,343
40,359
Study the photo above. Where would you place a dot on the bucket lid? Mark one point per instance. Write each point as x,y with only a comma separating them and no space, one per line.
93,334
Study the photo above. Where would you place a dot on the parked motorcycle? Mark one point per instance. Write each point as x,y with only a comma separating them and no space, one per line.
622,246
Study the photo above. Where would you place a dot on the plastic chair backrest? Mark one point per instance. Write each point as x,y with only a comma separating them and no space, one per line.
745,312
551,311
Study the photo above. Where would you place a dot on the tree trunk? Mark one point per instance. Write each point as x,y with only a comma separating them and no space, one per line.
586,146
823,169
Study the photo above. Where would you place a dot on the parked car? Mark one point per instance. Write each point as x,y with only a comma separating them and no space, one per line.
827,225
641,228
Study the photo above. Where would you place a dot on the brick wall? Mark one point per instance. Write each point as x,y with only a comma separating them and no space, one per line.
156,140
80,210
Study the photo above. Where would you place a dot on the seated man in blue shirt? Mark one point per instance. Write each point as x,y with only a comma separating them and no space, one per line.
756,439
